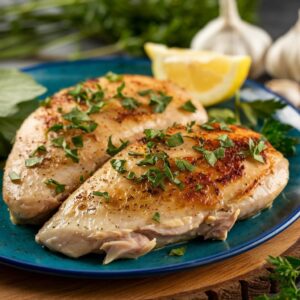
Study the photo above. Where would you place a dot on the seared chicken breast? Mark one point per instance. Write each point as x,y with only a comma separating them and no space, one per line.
63,142
169,186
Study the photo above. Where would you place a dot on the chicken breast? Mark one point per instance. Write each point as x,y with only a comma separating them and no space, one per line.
65,141
167,187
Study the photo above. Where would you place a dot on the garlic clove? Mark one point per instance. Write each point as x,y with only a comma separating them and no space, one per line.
286,88
283,58
229,34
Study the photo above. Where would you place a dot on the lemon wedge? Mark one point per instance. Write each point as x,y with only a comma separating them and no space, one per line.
209,76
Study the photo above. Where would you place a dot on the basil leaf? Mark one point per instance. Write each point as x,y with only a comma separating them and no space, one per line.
189,106
59,188
175,140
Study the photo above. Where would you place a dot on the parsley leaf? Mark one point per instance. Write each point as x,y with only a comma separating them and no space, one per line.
79,93
159,102
120,89
184,165
118,165
33,161
175,140
189,106
135,154
105,195
198,187
211,156
156,217
39,149
56,127
77,141
177,251
145,92
189,126
207,126
14,177
130,103
59,188
152,134
113,77
225,141
256,149
76,116
112,149
58,142
71,153
155,176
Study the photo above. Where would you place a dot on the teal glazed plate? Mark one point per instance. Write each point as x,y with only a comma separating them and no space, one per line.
17,245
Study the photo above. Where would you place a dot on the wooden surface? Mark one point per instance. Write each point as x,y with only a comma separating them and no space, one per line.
240,277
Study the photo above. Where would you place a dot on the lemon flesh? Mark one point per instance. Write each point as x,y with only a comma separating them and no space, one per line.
210,77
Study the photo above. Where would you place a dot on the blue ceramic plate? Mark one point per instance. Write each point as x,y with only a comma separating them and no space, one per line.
17,246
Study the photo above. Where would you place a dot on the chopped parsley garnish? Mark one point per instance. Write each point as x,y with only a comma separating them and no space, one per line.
198,187
33,161
46,102
211,156
113,77
93,109
172,178
112,149
79,93
224,127
58,142
118,165
135,154
175,140
207,126
105,195
155,176
130,103
189,106
76,116
38,150
184,165
152,134
159,102
77,141
131,175
145,92
59,188
225,141
120,89
256,149
156,217
152,158
71,153
14,176
56,127
81,179
189,126
177,251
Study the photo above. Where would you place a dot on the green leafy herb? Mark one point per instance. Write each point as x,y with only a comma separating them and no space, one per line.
105,195
177,251
152,134
175,140
256,149
93,109
113,77
277,134
145,92
207,126
152,158
198,187
131,175
58,142
76,116
172,178
59,188
56,127
81,179
155,177
222,115
184,165
79,93
225,141
14,177
286,272
189,106
46,102
156,217
135,154
120,89
189,126
38,150
71,153
130,103
118,165
33,161
159,102
112,149
211,156
77,141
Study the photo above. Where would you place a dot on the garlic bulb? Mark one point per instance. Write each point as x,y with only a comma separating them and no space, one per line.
229,34
286,88
283,58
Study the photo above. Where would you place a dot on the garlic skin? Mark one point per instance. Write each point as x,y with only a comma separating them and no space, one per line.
229,34
286,88
283,58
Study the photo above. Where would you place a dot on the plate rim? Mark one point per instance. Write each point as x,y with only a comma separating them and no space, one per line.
265,236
